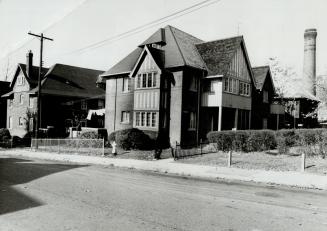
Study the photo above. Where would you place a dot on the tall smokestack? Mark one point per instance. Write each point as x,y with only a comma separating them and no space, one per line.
309,61
29,63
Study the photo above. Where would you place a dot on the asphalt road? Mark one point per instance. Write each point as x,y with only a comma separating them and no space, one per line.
43,195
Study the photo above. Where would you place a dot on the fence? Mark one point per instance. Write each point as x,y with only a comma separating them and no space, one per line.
75,146
183,151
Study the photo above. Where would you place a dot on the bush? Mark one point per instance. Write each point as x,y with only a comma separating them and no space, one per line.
131,139
5,137
312,141
243,140
89,135
285,139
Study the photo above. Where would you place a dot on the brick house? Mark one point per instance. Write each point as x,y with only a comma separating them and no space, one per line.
266,112
181,87
68,92
4,88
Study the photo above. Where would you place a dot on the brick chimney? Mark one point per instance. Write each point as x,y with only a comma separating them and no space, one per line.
309,61
29,63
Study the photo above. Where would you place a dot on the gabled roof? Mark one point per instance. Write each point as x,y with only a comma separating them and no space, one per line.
260,75
156,54
178,48
218,54
32,80
65,80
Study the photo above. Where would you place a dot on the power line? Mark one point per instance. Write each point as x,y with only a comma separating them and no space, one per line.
44,30
145,26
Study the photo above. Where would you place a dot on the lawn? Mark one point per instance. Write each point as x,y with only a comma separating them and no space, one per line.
260,160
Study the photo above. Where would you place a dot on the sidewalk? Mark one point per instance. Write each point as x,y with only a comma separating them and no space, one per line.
290,178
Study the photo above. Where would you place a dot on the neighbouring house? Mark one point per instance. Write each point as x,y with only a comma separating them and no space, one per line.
67,94
4,88
266,112
180,87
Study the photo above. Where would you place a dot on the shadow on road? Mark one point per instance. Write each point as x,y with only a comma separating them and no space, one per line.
15,171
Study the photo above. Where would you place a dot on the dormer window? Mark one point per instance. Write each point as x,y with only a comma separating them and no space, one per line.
155,45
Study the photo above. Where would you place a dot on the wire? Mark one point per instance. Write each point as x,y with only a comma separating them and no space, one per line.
146,26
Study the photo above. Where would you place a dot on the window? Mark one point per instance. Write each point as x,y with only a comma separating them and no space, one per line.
146,80
10,102
125,117
149,79
100,103
20,80
137,119
126,87
21,98
84,105
245,89
154,119
10,122
138,81
154,79
265,96
192,125
264,123
20,121
30,102
146,119
226,84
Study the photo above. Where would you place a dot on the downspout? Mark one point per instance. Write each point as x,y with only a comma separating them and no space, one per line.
115,105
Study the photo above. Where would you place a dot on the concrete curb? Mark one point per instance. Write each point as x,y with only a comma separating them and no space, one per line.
291,178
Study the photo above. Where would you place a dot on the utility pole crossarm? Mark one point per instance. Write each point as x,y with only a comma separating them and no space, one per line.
40,36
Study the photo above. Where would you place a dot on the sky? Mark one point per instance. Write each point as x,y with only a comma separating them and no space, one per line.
271,28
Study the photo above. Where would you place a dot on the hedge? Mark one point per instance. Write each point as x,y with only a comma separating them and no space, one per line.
311,141
133,138
243,140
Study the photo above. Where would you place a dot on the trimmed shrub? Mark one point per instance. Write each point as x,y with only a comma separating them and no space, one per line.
285,139
132,139
5,138
243,140
4,134
89,135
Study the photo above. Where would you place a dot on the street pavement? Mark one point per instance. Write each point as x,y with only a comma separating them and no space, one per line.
48,195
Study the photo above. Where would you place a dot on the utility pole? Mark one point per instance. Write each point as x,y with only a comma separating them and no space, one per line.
38,113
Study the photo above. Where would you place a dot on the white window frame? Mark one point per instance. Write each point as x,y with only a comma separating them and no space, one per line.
9,122
21,121
30,102
146,119
126,87
144,78
21,99
125,117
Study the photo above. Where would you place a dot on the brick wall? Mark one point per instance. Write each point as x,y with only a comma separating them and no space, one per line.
123,101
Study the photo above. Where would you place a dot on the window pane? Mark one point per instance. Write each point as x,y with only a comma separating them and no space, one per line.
137,119
144,80
149,79
154,119
138,81
154,79
148,119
